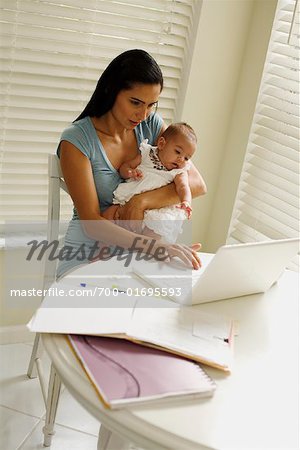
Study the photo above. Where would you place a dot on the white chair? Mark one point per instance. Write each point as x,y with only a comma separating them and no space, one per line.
107,440
56,183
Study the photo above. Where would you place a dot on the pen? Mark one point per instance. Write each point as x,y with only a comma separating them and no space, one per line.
122,291
226,340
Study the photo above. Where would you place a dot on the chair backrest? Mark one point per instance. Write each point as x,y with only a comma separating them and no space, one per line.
55,184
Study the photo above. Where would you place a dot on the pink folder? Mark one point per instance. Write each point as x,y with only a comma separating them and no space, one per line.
126,373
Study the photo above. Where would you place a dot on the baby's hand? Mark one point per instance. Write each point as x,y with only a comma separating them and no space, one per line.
136,174
187,207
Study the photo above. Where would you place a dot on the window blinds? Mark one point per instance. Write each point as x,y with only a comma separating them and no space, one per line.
52,54
267,202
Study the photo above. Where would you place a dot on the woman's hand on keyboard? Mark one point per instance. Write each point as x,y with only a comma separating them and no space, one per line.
165,252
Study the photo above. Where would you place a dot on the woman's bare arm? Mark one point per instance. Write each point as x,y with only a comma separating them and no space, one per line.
79,179
78,176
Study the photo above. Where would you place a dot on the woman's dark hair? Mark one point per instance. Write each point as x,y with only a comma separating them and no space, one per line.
130,67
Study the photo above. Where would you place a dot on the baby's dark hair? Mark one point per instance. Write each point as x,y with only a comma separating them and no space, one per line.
180,128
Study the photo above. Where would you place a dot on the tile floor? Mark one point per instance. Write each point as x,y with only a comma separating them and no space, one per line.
22,410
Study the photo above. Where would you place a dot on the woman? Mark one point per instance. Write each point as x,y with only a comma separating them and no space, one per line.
119,115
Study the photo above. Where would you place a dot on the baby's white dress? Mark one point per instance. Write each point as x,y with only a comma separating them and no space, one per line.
167,221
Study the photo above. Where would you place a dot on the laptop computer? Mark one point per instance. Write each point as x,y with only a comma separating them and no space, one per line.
234,271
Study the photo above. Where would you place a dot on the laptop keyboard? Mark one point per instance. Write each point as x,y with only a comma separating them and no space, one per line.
176,287
171,276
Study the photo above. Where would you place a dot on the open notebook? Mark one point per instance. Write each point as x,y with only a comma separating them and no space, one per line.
153,321
125,373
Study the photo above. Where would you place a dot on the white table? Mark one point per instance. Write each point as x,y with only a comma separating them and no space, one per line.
255,407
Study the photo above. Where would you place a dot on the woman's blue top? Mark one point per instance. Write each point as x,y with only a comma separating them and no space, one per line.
82,135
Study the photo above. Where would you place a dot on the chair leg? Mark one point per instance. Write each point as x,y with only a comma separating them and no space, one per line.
52,402
103,438
107,440
35,354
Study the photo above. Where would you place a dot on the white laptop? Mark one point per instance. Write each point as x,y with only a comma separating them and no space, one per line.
235,270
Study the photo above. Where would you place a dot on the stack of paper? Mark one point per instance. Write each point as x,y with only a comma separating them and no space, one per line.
152,321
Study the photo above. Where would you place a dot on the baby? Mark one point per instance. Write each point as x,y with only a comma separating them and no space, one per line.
158,166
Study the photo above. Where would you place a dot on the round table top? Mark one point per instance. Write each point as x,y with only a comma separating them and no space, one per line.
256,406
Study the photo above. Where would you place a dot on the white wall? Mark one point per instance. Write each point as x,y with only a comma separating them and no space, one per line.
228,59
18,273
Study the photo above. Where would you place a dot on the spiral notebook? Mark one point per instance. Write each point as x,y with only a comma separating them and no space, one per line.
125,373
